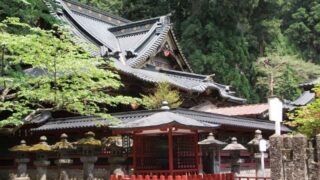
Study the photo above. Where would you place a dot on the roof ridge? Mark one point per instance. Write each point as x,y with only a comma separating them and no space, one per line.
175,72
97,10
76,117
133,23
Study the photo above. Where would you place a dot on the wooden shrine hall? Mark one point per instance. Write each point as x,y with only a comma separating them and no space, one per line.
165,143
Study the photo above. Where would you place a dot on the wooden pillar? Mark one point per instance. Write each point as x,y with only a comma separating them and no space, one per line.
134,152
170,151
195,137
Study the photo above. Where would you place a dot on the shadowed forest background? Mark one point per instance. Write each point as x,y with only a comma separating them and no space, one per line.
241,42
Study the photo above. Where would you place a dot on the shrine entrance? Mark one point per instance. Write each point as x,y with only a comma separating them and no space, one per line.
165,143
154,153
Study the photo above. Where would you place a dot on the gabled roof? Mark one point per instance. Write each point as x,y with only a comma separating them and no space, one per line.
126,117
118,35
132,44
164,118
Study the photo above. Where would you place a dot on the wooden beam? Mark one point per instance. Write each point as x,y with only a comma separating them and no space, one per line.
170,151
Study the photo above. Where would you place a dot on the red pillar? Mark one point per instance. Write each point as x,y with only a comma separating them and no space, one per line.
197,150
134,152
170,151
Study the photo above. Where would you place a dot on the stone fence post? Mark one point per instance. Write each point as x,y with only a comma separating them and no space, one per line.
288,157
276,165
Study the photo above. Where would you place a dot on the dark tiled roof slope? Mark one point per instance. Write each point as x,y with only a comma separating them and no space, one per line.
125,117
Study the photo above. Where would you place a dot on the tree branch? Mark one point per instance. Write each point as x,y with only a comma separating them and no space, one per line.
33,113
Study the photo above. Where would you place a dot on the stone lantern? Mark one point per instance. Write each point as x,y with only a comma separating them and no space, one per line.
89,147
118,148
22,160
63,147
255,153
212,147
41,149
234,148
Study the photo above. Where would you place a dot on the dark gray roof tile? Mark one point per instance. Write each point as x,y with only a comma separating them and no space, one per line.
127,117
164,118
305,98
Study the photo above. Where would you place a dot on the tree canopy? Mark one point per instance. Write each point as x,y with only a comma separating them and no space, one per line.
45,70
162,93
307,118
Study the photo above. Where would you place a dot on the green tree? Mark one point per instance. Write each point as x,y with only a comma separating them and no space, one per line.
215,39
307,118
32,12
162,93
302,26
65,76
110,6
286,72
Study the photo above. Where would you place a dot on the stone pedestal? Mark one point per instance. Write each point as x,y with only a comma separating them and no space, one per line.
116,167
88,166
41,169
235,167
63,164
22,167
259,171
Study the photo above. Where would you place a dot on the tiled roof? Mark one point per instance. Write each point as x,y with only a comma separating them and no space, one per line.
159,119
182,80
305,98
126,117
243,110
117,34
141,39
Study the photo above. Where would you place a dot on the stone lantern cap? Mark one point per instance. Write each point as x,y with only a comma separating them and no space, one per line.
256,140
63,144
22,147
211,141
88,140
234,146
257,137
42,146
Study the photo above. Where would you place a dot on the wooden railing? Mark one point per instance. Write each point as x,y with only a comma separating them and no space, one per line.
229,176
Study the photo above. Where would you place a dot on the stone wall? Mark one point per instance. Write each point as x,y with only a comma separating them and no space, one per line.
293,157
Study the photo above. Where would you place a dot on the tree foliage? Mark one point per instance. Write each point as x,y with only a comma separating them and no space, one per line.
45,70
287,72
307,118
302,25
162,93
32,12
110,6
